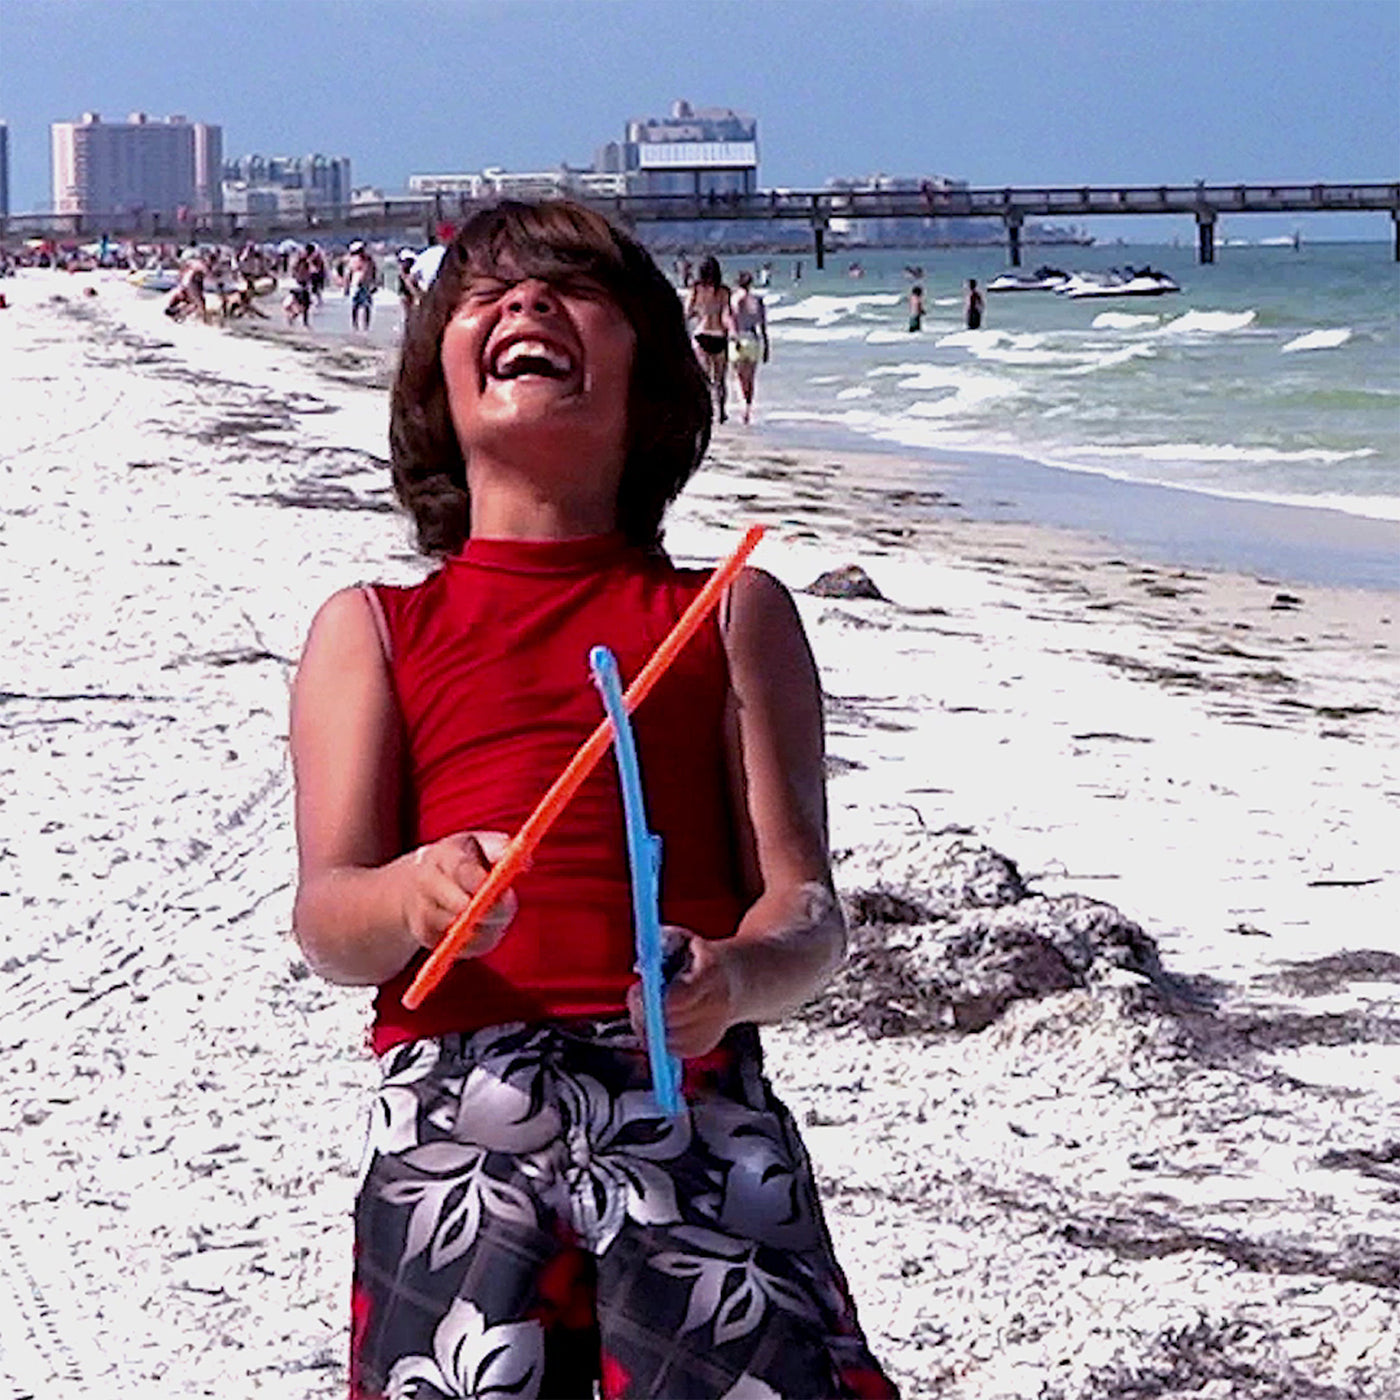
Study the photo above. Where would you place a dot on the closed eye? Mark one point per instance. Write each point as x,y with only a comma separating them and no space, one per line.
483,290
588,288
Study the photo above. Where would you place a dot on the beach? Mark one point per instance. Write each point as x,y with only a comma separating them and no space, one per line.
1106,1104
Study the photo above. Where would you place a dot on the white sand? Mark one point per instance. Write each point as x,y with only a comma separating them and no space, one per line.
1052,1207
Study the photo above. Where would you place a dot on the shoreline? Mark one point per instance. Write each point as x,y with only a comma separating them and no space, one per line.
1297,541
1301,541
1104,1188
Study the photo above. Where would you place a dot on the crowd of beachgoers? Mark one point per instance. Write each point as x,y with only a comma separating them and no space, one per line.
229,282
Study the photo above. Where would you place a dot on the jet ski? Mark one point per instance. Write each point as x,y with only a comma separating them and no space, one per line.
1118,282
1043,279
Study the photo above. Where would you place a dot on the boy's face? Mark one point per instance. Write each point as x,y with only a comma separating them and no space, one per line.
541,364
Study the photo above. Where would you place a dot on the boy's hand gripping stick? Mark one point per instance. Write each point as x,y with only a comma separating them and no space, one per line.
516,855
644,857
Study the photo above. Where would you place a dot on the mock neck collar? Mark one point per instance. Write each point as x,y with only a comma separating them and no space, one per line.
543,556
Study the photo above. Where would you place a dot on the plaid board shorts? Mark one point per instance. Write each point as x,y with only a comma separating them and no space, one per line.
529,1224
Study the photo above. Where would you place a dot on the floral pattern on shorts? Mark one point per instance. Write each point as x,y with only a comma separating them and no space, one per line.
530,1223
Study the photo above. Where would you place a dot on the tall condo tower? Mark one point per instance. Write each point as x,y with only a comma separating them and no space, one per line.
134,166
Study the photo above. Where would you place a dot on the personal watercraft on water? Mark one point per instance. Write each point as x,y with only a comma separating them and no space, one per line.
1117,282
1043,279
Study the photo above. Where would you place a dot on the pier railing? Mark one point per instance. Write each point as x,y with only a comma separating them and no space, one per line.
415,215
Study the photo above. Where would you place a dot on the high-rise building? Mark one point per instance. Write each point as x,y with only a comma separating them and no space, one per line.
695,151
208,168
135,166
291,184
4,171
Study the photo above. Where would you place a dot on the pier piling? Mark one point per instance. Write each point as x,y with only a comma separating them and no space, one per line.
1205,235
1013,238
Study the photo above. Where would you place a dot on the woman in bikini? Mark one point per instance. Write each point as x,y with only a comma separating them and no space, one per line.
529,1222
750,338
709,309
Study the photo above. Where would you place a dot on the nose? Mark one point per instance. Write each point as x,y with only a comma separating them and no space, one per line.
532,297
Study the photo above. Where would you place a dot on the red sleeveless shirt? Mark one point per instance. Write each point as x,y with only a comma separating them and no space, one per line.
489,662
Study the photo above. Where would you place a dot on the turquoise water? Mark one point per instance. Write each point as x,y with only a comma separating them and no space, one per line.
1250,420
1273,374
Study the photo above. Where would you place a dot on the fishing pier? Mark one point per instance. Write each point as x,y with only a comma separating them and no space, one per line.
816,210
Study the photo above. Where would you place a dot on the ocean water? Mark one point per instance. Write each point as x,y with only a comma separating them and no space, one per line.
1273,375
1249,421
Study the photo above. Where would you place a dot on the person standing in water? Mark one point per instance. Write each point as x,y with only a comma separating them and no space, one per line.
709,308
529,1223
916,308
361,283
972,305
750,319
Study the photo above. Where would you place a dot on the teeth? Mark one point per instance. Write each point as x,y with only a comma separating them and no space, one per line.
519,350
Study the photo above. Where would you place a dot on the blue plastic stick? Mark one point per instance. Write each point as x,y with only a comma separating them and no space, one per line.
644,856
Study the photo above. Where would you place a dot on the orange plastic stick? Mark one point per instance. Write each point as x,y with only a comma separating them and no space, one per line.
522,845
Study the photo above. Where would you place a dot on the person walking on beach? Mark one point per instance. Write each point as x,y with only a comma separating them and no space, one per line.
916,308
361,283
750,319
708,308
529,1222
972,305
408,292
298,302
317,261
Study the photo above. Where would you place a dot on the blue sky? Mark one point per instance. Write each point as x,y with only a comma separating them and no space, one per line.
991,91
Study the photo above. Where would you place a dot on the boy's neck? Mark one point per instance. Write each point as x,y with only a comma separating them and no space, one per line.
521,514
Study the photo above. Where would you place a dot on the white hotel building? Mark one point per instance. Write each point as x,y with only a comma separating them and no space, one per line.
695,151
138,165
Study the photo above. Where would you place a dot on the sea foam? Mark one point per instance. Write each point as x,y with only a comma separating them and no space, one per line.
826,309
1208,322
1225,452
819,333
1121,321
1317,340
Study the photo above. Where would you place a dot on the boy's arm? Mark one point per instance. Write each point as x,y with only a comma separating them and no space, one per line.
793,934
363,906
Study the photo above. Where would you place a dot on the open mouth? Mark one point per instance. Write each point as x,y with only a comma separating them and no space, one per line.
519,358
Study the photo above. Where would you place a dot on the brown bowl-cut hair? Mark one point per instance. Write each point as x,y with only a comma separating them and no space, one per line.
668,412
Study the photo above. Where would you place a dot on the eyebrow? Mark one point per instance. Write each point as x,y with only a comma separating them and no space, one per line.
561,277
